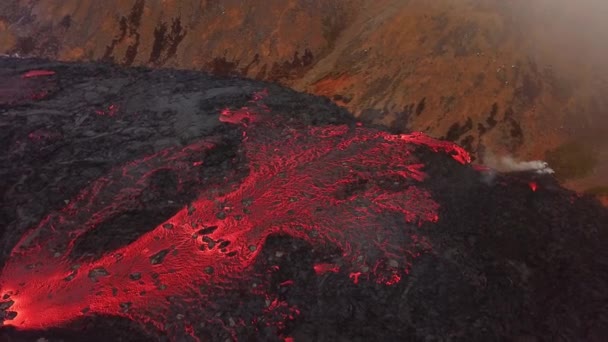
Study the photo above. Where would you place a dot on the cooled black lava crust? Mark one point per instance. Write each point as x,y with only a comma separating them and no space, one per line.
507,263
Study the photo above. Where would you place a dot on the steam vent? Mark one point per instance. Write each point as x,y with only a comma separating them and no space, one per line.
303,170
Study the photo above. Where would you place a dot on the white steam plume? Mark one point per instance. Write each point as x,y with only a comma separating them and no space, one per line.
510,164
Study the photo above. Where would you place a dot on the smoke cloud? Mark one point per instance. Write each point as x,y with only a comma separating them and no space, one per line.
510,164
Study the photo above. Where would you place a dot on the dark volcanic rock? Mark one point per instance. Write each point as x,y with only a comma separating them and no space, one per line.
507,256
98,272
135,276
159,257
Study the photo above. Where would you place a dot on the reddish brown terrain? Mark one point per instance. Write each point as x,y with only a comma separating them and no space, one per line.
498,77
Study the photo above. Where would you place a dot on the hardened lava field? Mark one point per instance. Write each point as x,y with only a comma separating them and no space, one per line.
159,204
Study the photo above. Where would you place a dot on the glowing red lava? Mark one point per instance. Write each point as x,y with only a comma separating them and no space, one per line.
353,187
324,268
37,73
112,110
533,186
33,85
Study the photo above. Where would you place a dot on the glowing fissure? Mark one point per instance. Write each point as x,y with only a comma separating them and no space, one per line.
353,187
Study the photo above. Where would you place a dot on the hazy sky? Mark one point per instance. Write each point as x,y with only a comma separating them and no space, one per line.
573,31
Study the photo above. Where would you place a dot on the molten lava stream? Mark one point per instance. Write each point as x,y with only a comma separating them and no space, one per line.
354,187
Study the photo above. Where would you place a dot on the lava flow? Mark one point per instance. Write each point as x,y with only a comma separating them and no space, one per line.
352,187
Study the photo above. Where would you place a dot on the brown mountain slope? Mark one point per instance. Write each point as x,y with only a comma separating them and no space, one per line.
506,78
